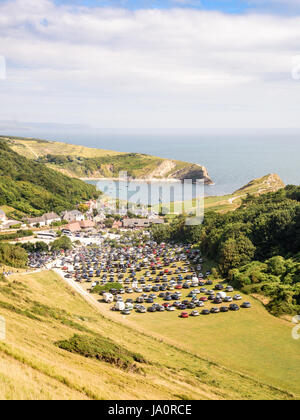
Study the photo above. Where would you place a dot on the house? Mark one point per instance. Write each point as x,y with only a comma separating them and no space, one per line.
51,217
73,215
71,228
33,221
87,225
99,218
2,216
44,220
136,223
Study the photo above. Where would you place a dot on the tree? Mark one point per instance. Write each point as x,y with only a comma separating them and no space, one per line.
13,255
64,243
235,252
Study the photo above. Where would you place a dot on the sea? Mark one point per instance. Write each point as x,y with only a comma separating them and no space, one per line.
231,160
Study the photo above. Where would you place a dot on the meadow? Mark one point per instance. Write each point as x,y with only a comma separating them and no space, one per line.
250,341
40,309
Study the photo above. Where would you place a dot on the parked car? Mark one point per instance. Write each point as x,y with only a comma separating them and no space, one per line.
215,310
126,312
246,305
205,312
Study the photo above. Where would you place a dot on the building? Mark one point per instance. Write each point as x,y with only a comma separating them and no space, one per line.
34,221
71,228
51,218
87,225
44,220
136,223
140,223
73,215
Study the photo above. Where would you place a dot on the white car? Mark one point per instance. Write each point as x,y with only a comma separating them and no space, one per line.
237,297
171,308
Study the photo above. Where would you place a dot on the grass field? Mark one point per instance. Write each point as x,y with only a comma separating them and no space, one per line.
252,342
32,148
40,309
230,202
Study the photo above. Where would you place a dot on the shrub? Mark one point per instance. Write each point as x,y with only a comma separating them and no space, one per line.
102,348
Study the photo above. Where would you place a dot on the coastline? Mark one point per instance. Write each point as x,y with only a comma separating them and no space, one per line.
140,180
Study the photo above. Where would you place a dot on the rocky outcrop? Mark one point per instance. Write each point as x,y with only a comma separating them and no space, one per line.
194,172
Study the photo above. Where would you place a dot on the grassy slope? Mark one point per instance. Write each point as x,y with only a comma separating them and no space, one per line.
32,367
222,204
252,342
31,187
137,165
265,184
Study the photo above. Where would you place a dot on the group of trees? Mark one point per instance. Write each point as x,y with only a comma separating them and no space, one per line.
15,235
13,255
63,242
256,247
33,188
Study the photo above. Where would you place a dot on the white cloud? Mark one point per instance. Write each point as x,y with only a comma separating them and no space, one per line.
148,68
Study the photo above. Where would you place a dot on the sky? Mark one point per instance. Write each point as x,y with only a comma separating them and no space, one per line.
201,66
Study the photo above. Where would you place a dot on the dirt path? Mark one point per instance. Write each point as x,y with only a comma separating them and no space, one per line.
231,200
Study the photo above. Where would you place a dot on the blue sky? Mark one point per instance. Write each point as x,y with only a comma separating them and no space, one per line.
226,6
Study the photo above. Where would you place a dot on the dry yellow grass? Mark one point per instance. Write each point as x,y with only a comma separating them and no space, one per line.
32,367
33,149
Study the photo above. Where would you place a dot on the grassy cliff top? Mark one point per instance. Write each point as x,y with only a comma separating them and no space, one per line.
84,162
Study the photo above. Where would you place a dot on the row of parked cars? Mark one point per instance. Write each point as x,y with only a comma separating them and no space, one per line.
151,277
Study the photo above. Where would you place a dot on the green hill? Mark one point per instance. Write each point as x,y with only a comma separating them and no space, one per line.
33,188
83,162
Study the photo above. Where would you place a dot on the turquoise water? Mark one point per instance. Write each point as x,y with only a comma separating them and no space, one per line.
231,161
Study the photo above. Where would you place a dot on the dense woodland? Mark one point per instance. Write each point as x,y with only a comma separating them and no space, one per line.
256,247
33,188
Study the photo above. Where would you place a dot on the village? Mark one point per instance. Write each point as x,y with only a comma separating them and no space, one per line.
86,220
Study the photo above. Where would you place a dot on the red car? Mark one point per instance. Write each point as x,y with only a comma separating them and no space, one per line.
203,299
166,305
178,286
184,315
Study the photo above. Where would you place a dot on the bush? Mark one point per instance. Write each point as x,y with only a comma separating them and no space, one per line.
106,287
13,255
101,348
63,242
